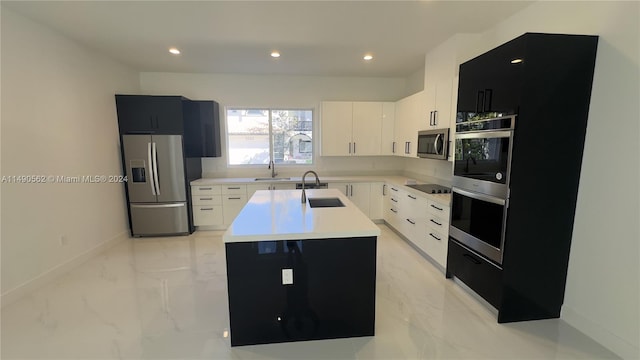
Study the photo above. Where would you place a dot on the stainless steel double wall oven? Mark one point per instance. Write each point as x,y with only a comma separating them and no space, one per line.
480,192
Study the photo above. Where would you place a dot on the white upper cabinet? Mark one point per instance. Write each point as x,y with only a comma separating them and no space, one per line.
440,70
388,145
438,102
355,128
336,127
411,116
367,128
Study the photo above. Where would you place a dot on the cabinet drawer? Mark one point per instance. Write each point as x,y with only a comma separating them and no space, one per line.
441,211
438,224
232,204
436,245
234,189
206,190
206,200
204,215
234,200
479,274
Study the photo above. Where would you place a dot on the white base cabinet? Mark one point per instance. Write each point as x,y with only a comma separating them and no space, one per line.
358,193
251,189
424,222
376,201
234,197
206,205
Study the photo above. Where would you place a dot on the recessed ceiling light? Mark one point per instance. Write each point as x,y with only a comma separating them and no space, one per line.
174,51
275,54
516,61
368,57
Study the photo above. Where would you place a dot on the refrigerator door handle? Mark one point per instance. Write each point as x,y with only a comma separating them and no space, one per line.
155,168
149,155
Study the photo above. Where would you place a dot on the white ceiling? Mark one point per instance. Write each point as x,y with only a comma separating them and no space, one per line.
326,38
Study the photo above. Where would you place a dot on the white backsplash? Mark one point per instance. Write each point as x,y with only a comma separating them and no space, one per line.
424,170
428,170
324,166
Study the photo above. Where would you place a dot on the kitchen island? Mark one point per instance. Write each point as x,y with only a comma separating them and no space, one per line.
297,272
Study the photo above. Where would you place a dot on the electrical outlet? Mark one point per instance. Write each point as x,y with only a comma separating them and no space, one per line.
287,276
63,240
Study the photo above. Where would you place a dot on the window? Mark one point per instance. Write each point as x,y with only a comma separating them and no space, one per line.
255,136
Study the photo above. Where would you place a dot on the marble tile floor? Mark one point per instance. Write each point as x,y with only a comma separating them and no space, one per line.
165,298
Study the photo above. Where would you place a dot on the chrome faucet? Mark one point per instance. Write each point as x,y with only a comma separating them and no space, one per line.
272,166
304,195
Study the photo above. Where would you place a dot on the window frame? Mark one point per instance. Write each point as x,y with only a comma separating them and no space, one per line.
270,109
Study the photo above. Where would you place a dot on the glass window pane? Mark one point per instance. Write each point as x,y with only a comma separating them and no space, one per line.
248,136
292,136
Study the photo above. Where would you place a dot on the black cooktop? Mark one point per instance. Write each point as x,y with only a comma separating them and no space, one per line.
431,188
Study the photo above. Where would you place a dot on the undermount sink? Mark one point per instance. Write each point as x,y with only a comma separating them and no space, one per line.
271,179
325,202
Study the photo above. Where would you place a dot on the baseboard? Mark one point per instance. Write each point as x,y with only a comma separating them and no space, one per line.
49,276
619,346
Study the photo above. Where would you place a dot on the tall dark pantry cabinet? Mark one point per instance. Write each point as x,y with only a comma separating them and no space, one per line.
543,81
163,139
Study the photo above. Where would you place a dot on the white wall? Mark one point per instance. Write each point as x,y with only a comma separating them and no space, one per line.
282,91
58,118
415,82
602,292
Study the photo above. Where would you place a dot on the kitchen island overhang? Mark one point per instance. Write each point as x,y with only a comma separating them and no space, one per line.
299,273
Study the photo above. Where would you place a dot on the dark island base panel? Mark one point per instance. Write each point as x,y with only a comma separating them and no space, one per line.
332,295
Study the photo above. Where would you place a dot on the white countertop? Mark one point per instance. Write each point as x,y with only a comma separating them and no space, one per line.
280,215
444,199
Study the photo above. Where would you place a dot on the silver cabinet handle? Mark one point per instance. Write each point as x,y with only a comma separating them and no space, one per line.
394,200
233,188
384,190
393,147
413,197
207,188
435,222
354,147
395,211
435,117
351,186
435,207
394,189
206,198
233,198
435,237
206,209
411,222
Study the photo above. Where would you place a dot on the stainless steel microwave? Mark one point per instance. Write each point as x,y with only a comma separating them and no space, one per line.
433,144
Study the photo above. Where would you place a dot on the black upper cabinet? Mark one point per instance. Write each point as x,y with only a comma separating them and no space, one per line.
492,82
204,133
145,114
197,121
530,69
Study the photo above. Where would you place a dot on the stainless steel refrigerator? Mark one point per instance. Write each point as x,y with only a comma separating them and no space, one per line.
156,189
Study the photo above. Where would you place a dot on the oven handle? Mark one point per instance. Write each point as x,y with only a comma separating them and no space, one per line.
478,196
484,134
